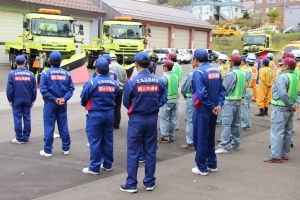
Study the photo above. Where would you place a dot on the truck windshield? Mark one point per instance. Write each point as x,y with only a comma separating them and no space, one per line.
50,27
255,39
127,32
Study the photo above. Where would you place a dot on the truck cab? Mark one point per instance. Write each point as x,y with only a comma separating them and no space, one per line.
43,32
256,42
123,38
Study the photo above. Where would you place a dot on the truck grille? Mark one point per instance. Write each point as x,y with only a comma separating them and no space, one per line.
253,49
49,47
127,48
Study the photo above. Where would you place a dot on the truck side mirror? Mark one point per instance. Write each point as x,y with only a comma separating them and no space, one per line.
80,31
26,25
106,31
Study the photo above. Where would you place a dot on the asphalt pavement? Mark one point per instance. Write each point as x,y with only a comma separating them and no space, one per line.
24,174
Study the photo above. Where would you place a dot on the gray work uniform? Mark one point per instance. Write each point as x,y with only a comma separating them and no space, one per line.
186,89
282,118
231,115
246,107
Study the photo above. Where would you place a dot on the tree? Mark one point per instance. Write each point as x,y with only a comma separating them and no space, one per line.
273,15
162,1
180,3
246,15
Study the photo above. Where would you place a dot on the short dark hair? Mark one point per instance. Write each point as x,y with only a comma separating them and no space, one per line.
203,59
237,62
174,59
55,63
143,64
103,71
169,67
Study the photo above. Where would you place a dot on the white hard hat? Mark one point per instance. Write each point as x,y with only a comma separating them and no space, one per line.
223,57
235,52
296,53
251,58
113,56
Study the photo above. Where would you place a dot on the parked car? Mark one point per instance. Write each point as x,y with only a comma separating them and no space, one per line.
161,54
184,56
292,29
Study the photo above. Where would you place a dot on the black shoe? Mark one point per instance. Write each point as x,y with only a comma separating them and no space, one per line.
292,145
266,111
261,113
124,188
117,127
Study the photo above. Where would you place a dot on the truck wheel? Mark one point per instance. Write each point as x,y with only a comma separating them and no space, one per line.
12,61
90,62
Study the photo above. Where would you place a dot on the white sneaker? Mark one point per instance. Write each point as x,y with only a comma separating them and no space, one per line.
195,170
150,188
87,171
43,153
65,152
213,170
105,169
56,135
15,141
87,144
221,151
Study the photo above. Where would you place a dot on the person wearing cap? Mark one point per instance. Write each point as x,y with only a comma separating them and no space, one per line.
223,67
286,54
285,102
270,56
98,98
56,87
252,63
168,111
177,69
186,91
111,73
246,106
264,91
144,94
208,97
235,85
21,94
121,79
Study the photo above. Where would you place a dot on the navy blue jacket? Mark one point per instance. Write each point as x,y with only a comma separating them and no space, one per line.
56,83
144,94
208,91
111,74
21,87
99,93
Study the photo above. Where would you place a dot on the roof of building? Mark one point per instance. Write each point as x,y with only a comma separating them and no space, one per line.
151,12
83,5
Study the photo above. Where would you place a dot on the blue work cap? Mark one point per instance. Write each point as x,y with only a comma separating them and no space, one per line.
102,65
20,59
106,57
141,56
244,59
266,62
55,56
200,54
224,52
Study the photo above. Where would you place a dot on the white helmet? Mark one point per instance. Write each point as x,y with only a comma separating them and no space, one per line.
251,58
113,56
296,53
223,57
236,52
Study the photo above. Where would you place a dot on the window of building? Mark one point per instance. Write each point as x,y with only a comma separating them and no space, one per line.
236,10
258,1
271,1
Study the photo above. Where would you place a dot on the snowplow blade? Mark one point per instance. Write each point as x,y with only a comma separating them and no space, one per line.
75,61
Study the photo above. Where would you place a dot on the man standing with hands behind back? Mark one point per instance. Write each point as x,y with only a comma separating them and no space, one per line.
208,97
57,88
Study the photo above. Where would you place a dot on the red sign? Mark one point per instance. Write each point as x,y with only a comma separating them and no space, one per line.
147,88
22,78
106,89
58,78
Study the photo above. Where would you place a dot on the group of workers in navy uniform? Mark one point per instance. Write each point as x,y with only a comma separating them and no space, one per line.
144,96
